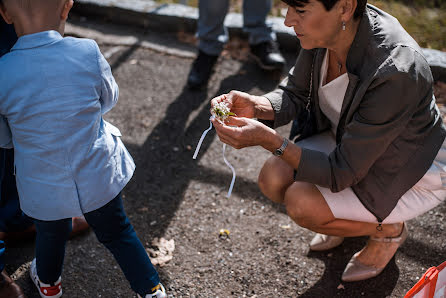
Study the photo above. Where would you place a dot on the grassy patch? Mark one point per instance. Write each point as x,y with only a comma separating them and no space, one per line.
427,23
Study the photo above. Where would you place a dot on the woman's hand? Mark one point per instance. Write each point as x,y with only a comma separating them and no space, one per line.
244,132
245,105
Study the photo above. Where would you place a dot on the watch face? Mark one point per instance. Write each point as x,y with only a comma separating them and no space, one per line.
278,152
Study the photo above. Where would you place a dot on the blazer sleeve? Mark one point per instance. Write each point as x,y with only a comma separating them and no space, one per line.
5,134
290,98
109,88
385,110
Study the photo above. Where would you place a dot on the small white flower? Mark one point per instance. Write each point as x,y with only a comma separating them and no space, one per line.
221,112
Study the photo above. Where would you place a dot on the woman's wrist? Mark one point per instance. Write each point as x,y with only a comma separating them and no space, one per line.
263,109
273,140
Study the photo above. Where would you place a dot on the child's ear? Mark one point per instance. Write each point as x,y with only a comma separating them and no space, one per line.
5,14
66,9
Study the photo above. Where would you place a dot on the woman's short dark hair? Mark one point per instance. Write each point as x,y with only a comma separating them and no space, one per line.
328,4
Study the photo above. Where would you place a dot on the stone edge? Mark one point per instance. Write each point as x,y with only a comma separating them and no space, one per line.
178,17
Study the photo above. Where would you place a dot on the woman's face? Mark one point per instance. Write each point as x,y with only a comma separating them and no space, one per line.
314,25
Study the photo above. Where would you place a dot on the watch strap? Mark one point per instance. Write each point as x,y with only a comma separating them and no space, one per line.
279,151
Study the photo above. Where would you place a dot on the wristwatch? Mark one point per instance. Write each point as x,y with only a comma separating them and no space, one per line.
279,151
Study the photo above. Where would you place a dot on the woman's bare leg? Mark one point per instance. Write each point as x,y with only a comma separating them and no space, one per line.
308,208
274,179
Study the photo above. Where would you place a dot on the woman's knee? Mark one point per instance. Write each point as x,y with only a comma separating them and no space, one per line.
274,178
300,204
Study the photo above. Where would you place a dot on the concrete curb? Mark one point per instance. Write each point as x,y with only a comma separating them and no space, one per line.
178,17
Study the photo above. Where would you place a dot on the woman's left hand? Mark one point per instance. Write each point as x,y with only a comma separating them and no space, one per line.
240,132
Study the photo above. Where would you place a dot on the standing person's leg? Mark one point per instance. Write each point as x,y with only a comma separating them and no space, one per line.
114,230
262,39
212,36
254,21
212,33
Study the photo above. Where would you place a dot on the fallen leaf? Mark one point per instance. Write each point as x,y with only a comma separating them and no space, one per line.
162,251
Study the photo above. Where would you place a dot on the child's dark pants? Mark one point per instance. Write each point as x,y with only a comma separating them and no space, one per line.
113,229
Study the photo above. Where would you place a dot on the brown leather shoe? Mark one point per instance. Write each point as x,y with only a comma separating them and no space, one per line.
80,226
8,288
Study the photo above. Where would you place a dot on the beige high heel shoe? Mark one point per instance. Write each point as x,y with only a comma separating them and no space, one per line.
356,271
323,242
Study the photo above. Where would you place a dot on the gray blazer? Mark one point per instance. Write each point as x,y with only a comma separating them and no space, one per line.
390,129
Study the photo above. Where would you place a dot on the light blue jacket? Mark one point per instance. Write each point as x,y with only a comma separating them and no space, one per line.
53,93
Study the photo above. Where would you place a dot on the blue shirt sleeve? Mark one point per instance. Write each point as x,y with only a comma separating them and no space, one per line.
109,88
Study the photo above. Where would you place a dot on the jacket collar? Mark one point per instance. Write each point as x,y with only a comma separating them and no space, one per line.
360,43
37,40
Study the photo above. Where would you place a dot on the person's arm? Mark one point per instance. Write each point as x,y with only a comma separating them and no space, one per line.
290,98
382,116
109,88
246,105
5,134
244,132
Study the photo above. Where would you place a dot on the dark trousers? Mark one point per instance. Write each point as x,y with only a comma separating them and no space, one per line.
113,229
10,215
2,253
12,218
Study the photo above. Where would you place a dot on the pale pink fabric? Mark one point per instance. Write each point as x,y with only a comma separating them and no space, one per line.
428,193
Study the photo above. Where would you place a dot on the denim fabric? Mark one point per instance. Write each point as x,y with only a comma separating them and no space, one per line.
113,229
213,34
68,160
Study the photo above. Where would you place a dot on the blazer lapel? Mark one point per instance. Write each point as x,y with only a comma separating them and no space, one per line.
349,95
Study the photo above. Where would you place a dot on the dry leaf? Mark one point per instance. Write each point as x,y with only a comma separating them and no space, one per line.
162,251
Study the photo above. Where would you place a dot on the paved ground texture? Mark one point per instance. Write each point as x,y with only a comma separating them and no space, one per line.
176,198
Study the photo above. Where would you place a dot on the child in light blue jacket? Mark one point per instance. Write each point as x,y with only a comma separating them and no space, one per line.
68,161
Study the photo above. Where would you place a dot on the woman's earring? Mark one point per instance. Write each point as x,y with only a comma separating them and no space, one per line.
343,26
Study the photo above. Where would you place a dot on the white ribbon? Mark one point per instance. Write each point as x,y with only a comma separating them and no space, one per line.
232,169
224,158
202,138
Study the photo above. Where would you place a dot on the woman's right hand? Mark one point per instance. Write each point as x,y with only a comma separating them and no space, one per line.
245,105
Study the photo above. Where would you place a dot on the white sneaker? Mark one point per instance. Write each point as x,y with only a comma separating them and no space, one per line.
45,290
160,292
